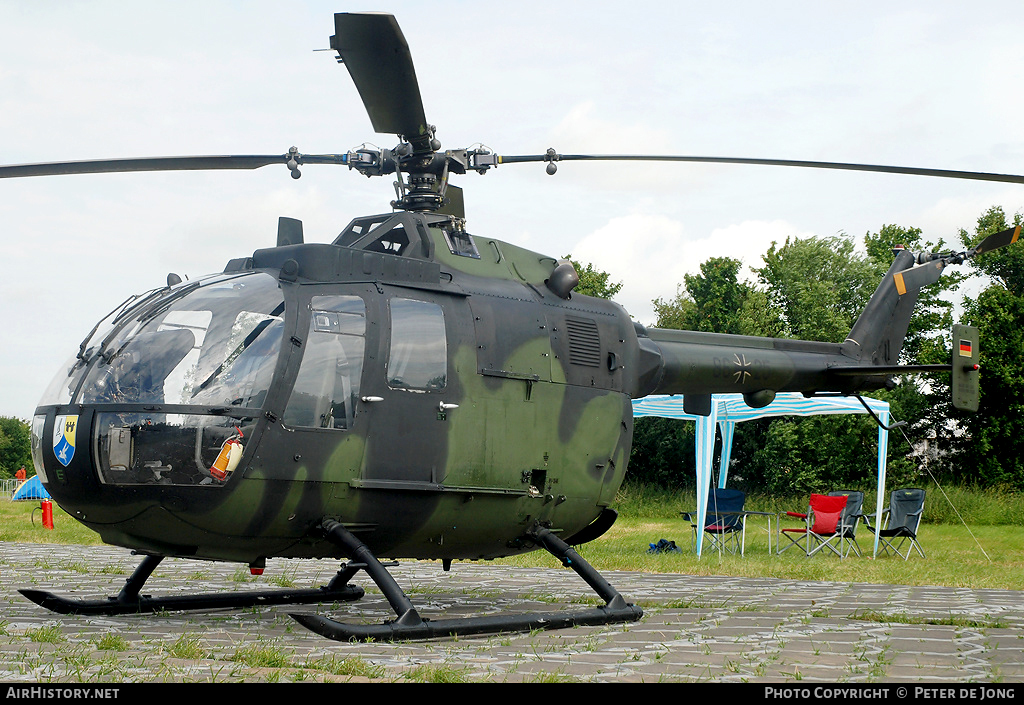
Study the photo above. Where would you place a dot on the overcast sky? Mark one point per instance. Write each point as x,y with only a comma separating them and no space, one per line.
929,84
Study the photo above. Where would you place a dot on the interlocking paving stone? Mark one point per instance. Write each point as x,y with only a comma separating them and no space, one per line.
695,628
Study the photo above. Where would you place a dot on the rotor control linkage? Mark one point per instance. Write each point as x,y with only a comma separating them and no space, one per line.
129,601
410,625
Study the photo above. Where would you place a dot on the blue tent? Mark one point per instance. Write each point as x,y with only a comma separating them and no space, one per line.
729,409
31,488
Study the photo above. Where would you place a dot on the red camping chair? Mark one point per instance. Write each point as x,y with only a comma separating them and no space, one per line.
821,525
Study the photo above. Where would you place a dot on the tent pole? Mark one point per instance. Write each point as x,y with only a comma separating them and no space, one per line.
883,447
727,428
705,455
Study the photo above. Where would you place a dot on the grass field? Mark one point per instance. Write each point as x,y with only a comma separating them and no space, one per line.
971,539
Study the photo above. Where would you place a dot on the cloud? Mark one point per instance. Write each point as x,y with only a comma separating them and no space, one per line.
650,254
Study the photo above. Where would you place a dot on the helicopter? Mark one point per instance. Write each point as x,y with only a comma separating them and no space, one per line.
368,399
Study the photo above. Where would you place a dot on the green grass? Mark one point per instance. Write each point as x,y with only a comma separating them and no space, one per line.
980,554
942,506
953,558
22,522
986,552
263,655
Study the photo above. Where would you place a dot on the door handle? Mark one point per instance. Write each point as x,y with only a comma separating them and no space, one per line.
445,407
369,400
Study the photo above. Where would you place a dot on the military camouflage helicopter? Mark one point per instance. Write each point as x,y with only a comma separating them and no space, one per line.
411,390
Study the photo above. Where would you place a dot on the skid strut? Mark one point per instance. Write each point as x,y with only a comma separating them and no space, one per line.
129,601
409,624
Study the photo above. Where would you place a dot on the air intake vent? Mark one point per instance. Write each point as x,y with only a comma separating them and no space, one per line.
584,342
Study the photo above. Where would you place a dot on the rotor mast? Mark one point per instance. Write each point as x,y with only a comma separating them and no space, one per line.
376,54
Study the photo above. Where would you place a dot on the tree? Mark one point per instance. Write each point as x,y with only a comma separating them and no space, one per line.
1005,266
817,286
990,448
15,446
594,282
715,301
662,453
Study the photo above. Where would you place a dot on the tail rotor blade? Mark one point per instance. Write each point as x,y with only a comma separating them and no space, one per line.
918,277
929,272
997,240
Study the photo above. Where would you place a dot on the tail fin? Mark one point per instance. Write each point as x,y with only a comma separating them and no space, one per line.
877,336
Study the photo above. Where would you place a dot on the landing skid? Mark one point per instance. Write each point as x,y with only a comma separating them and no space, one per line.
410,626
129,601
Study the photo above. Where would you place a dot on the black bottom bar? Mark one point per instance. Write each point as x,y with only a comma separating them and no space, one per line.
410,626
129,601
432,629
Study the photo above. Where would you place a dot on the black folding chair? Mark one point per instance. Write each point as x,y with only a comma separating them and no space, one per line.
724,523
902,519
852,516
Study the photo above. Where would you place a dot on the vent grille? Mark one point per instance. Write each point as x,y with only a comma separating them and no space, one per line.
584,342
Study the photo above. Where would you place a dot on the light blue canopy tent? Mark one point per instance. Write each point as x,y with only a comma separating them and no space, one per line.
729,409
31,488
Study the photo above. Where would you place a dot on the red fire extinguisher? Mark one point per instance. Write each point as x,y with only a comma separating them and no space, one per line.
227,459
47,507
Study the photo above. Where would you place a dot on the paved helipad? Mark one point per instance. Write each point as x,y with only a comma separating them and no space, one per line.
694,628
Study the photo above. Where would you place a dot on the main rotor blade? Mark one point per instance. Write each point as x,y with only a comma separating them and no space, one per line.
99,166
944,173
374,49
103,166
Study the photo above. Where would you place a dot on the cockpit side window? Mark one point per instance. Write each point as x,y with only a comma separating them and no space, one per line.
418,356
327,386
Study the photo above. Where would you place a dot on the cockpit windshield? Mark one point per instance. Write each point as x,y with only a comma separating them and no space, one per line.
214,344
